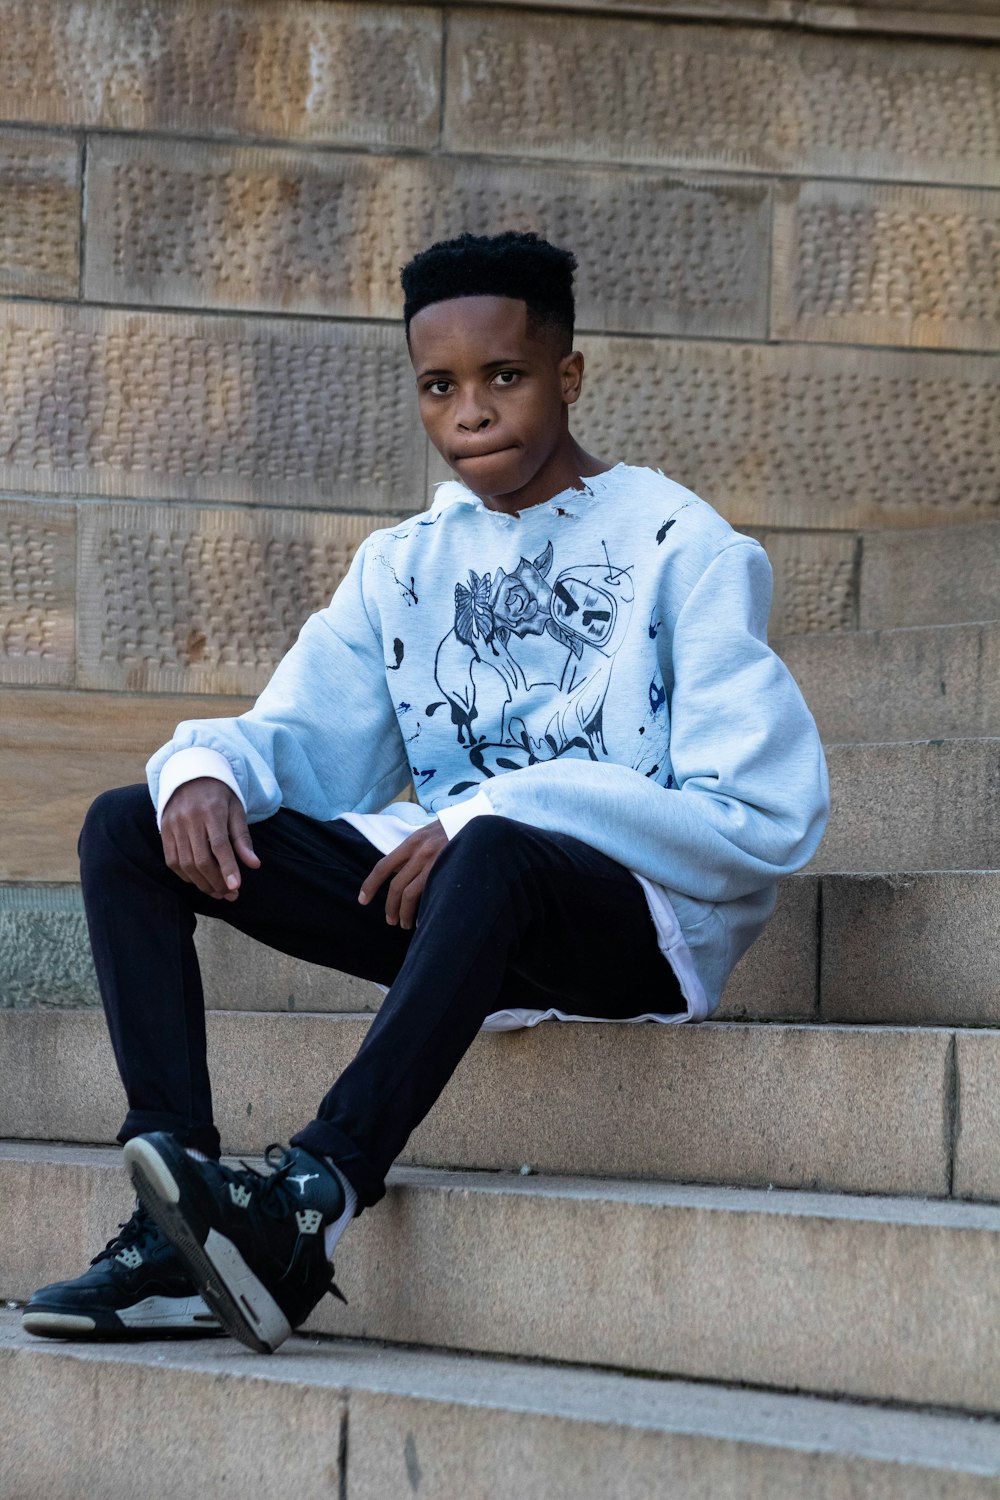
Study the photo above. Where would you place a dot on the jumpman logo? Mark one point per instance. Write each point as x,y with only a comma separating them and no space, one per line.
303,1178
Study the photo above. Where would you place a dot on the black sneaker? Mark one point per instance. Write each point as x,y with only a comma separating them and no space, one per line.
253,1243
136,1288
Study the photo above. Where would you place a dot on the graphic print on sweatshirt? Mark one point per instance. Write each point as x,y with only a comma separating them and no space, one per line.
526,666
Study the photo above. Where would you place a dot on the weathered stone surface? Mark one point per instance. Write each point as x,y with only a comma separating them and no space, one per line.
290,231
179,599
286,69
238,973
855,263
914,949
59,750
916,683
44,949
176,407
977,20
449,1425
37,593
863,1110
735,98
777,436
943,576
502,1259
778,978
815,580
486,1451
46,954
977,1161
925,805
39,214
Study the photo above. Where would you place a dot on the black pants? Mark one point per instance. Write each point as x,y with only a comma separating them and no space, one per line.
510,917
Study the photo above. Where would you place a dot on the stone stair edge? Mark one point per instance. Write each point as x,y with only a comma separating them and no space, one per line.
838,1107
501,1258
546,1387
475,1422
903,1211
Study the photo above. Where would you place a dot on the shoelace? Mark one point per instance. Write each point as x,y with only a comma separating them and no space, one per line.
136,1233
273,1194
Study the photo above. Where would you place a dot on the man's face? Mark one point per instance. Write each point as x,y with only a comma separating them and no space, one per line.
493,399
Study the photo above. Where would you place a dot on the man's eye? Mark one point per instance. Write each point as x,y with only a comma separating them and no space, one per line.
506,377
439,387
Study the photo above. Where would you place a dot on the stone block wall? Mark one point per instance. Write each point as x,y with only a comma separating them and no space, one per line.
789,299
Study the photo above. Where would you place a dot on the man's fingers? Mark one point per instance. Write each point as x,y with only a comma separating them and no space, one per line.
380,873
240,834
410,899
221,853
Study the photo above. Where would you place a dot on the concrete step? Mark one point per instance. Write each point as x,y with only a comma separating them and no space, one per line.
914,949
45,960
940,576
870,1297
912,805
859,1109
373,1422
926,682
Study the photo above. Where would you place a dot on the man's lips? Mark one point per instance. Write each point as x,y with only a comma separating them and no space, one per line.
481,453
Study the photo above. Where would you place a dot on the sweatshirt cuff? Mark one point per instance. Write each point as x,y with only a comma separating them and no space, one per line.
455,817
187,765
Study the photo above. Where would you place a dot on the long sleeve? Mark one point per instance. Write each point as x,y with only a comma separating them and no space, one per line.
323,737
750,796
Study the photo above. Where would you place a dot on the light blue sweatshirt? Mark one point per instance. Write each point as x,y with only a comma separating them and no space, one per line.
597,666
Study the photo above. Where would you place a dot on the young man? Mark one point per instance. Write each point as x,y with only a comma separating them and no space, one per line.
569,660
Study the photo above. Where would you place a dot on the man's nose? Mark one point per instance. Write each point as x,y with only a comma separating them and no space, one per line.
473,413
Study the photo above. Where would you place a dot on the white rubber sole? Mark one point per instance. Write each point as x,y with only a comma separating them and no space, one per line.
153,1315
242,1304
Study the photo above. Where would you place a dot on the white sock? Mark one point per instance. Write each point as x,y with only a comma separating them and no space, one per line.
332,1232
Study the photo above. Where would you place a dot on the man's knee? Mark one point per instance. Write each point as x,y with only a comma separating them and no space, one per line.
488,841
114,817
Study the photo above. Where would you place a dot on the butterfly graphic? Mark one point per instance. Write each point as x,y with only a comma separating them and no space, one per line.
473,615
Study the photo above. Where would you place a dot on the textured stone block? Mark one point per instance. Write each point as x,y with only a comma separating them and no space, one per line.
284,69
179,600
927,805
871,1297
45,955
942,576
886,265
778,978
977,1162
867,1297
174,407
240,974
39,214
291,231
37,593
447,1425
919,950
740,99
59,750
482,1449
785,436
855,1109
921,683
815,580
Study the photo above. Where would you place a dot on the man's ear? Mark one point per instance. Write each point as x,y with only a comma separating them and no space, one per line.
571,376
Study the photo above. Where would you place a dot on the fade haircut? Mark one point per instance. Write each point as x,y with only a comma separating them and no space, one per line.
513,264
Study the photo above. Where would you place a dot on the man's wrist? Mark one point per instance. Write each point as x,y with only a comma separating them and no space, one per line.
189,765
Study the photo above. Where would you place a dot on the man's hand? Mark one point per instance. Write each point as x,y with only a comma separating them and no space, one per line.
409,866
203,830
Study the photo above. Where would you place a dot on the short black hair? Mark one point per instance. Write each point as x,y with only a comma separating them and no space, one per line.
516,264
